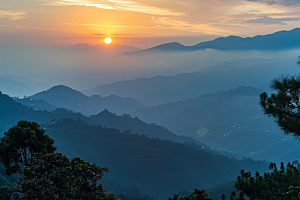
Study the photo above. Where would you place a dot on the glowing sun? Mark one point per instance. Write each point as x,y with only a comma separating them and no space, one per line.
107,40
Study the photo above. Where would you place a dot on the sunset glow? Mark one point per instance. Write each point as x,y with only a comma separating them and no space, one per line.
135,22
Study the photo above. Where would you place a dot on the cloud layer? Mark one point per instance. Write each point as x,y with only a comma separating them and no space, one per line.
12,14
127,5
280,2
269,20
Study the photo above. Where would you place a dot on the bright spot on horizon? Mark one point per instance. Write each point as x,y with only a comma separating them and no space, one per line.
107,40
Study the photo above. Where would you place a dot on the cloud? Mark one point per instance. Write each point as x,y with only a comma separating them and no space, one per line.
269,20
12,15
104,25
169,23
280,2
27,27
122,35
127,5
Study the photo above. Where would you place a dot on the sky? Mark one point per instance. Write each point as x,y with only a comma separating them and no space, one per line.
141,23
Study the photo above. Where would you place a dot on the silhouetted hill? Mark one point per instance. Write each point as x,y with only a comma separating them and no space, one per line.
158,168
66,97
135,125
165,89
276,41
227,121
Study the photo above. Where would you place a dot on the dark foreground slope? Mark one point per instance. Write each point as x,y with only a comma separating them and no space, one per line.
158,168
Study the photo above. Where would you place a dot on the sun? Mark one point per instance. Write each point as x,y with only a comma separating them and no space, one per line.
107,40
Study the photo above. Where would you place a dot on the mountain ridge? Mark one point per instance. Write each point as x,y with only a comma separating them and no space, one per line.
164,89
275,41
66,97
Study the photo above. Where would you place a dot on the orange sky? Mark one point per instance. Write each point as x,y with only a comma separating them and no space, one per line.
141,22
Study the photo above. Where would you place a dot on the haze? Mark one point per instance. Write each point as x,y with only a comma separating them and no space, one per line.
171,104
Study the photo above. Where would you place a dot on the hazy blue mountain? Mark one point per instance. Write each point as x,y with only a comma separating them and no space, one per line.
135,125
36,104
66,97
280,40
15,88
227,121
12,112
164,89
168,167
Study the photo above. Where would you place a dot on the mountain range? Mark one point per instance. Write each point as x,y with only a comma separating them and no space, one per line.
241,128
12,112
164,89
65,97
280,40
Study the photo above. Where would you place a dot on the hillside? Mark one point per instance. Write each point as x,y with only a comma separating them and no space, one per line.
159,168
135,125
227,121
68,98
36,104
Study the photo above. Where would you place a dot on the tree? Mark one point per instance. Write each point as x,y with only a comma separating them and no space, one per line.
196,195
20,143
274,185
284,106
54,176
6,192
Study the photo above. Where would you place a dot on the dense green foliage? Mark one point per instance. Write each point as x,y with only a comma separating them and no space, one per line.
54,176
217,190
20,143
124,192
196,195
273,185
42,174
